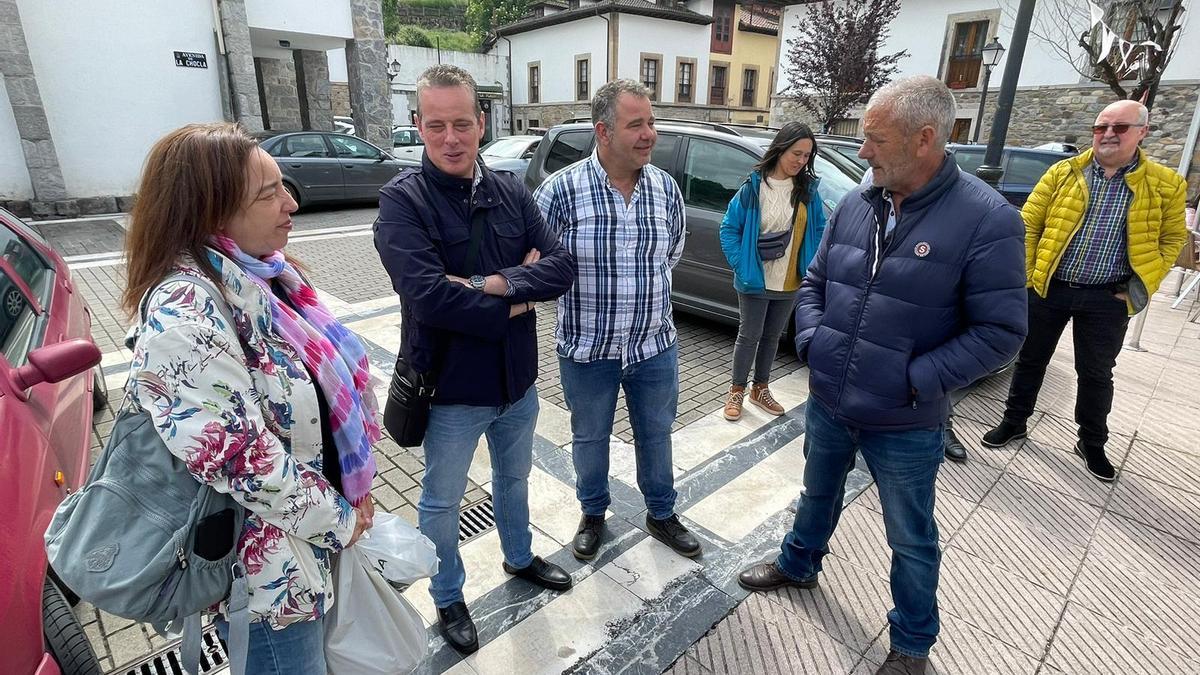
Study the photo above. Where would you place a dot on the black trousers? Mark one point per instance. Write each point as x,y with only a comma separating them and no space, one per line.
1098,320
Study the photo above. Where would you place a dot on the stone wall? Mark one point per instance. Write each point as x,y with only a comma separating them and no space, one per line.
25,98
243,82
366,66
280,100
448,18
312,89
1065,114
339,98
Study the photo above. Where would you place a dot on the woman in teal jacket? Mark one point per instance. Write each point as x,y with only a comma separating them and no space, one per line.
769,235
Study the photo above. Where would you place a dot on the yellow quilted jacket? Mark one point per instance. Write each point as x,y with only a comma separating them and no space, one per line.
1155,226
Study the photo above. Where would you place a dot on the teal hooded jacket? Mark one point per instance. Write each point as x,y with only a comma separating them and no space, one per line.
739,234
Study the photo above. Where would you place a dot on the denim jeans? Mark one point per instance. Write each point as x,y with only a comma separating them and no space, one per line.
1098,320
297,649
762,320
450,442
652,395
904,465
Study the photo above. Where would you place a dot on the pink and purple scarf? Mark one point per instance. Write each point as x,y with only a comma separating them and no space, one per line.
332,353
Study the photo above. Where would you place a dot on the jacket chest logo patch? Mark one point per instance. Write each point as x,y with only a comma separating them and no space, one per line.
921,249
101,558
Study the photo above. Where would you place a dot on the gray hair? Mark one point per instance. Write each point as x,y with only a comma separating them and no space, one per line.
446,75
604,104
918,101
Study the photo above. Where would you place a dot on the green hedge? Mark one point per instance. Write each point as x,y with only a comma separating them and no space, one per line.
450,40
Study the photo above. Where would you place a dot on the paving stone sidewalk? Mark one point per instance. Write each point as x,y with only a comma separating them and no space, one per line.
1044,569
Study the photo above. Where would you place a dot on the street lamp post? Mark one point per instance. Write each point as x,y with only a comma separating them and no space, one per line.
991,171
991,56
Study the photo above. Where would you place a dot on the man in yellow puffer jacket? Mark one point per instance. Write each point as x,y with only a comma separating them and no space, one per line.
1101,231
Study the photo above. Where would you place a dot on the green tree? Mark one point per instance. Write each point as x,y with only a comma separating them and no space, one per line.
484,16
411,35
391,18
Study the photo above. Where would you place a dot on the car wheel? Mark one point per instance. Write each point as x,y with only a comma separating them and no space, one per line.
292,191
13,303
99,390
65,639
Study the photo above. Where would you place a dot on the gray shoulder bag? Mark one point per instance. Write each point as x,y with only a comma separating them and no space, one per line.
144,540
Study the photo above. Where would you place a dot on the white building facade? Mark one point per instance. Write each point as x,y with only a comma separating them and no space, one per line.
89,86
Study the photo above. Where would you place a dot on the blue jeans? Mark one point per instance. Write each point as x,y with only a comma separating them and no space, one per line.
904,465
652,395
450,443
298,649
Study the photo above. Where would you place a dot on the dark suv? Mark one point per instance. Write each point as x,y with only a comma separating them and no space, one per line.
709,161
1023,167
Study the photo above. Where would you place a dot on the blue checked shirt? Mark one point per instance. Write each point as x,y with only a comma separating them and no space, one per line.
620,306
1099,251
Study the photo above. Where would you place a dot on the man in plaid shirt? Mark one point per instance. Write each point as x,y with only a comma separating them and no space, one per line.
1101,231
622,219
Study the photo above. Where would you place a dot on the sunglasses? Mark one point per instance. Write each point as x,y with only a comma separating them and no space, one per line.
1118,129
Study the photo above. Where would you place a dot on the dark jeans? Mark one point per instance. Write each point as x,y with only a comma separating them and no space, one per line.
1098,320
904,465
761,322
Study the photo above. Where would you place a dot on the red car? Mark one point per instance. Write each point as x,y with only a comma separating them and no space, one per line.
49,389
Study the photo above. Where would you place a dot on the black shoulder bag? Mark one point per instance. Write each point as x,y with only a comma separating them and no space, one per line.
406,413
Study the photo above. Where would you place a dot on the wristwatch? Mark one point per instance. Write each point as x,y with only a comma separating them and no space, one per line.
477,282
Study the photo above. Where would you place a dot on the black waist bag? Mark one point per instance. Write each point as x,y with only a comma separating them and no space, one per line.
774,245
406,413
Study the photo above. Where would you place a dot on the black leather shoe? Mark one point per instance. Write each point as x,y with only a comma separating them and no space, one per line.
587,538
672,533
1097,462
1004,433
899,664
955,450
767,577
458,628
542,573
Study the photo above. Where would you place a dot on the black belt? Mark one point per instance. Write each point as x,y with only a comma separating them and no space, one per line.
1108,286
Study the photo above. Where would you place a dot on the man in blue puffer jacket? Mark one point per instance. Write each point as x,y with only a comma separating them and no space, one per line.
918,289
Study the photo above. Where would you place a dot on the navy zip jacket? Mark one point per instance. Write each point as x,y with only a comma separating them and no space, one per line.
890,326
478,354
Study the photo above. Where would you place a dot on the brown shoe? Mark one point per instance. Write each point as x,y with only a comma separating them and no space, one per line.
767,576
761,397
733,404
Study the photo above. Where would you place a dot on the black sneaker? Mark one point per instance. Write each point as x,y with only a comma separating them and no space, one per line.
672,533
1097,462
587,537
1004,433
899,664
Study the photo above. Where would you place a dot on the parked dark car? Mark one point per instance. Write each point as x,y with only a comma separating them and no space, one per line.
710,162
510,153
1023,167
329,167
49,389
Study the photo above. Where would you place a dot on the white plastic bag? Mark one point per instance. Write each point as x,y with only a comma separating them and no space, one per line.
397,550
371,629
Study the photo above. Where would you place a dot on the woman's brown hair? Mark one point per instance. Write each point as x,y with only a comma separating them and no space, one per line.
193,182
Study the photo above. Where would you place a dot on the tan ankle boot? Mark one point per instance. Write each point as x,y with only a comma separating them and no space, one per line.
733,404
761,397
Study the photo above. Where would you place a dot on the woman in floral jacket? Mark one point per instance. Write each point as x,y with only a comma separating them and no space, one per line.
276,410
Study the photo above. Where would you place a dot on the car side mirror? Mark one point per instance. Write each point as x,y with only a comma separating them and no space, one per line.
528,154
55,363
382,157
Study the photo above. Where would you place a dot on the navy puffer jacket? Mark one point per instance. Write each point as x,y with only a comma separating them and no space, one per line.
890,327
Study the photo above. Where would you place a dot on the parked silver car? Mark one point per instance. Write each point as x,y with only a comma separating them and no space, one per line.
511,153
320,167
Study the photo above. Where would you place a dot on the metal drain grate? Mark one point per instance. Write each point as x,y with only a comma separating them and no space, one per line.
476,519
168,662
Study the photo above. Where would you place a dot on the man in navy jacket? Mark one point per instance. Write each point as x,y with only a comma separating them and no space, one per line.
918,289
470,324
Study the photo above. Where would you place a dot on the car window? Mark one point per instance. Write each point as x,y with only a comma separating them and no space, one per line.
350,147
968,160
850,154
713,172
663,155
1026,169
406,137
568,148
304,145
835,183
21,265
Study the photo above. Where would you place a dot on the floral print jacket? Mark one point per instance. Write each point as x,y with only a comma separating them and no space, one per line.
237,406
